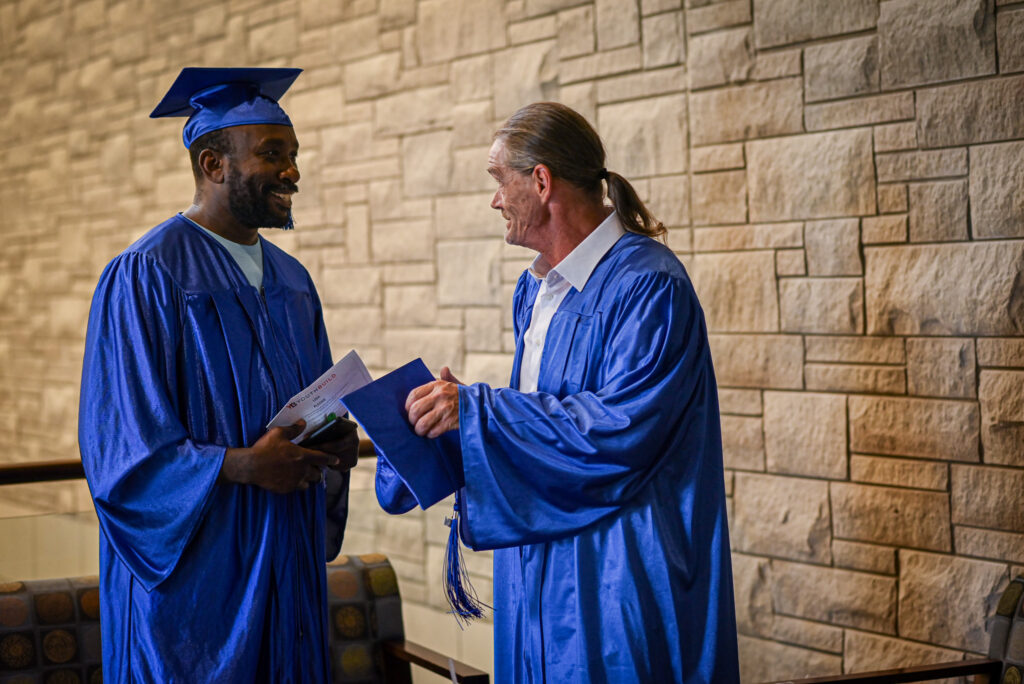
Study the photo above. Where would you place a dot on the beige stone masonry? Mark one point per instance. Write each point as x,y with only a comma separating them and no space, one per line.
807,633
972,112
747,111
997,172
863,111
899,472
903,166
926,428
774,660
721,57
822,175
782,517
950,289
742,443
841,69
926,41
890,229
1009,29
732,305
790,262
700,19
968,588
789,21
995,352
865,652
1002,505
839,597
762,236
991,544
821,305
769,361
881,515
645,137
813,445
938,211
752,580
833,248
847,378
719,198
778,64
866,557
741,402
1001,394
716,158
877,350
895,137
941,367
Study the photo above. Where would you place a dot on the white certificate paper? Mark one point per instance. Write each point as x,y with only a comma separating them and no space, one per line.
323,396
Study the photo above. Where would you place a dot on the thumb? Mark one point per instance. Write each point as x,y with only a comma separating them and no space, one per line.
446,375
290,432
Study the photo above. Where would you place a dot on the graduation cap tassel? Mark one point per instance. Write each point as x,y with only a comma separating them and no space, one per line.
465,604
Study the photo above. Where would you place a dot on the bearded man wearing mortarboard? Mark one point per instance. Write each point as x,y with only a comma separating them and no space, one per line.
214,531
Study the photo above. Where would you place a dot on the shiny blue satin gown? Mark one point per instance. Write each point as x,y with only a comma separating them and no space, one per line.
203,581
603,493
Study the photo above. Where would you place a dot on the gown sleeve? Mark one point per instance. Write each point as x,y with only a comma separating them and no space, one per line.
150,482
539,467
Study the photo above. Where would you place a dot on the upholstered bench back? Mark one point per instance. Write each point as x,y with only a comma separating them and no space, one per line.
50,632
364,609
50,629
1007,632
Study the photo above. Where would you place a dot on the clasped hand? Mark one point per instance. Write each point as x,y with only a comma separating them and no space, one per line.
433,408
274,463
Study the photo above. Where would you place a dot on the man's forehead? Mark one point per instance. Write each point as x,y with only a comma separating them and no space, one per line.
257,134
496,156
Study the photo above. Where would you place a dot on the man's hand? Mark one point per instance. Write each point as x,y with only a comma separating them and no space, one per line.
434,408
274,463
345,450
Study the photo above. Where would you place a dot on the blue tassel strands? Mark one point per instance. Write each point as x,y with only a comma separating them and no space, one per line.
466,606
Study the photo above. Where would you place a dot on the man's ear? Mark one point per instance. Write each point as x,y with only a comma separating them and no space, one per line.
541,178
212,165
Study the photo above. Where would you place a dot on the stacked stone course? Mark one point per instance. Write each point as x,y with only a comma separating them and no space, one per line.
843,181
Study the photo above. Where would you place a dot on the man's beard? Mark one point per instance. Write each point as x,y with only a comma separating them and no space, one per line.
250,206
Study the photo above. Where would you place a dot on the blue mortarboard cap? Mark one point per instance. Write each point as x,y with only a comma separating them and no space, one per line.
215,98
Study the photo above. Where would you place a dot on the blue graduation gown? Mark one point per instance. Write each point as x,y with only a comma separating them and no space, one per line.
603,492
202,581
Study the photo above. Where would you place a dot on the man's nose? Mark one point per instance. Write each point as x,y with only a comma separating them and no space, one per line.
292,173
496,200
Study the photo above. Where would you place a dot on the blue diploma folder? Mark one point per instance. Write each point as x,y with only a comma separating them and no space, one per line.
430,468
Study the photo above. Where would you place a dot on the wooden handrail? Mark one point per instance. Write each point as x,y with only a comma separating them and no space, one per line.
920,673
71,469
406,651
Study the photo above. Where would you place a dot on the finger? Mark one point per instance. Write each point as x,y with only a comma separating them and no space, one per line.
420,408
432,423
290,432
443,425
318,459
417,393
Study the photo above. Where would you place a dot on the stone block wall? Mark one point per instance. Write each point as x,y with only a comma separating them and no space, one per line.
842,179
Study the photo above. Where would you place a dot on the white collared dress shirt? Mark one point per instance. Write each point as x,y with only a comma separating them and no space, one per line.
571,272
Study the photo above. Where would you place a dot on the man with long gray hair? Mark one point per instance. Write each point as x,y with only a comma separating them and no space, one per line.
597,475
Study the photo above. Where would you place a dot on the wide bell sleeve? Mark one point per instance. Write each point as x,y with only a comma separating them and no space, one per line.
150,482
539,467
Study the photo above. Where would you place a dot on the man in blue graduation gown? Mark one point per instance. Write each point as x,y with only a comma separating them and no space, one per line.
214,530
597,476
